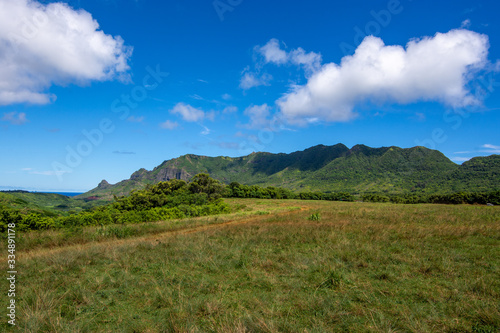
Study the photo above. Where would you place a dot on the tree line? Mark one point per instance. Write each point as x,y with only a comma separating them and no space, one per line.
457,198
202,196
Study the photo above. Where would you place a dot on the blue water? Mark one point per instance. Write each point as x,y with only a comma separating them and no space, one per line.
68,194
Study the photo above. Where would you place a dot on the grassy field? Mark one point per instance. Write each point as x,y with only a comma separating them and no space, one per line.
271,266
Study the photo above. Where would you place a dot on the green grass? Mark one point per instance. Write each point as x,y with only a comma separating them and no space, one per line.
361,267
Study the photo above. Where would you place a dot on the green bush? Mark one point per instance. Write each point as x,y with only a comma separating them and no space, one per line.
314,217
35,221
8,216
375,198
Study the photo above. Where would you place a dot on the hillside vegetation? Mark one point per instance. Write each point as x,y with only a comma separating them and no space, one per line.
176,199
359,170
166,200
48,204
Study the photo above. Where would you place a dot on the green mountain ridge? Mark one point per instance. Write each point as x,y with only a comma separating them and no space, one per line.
361,169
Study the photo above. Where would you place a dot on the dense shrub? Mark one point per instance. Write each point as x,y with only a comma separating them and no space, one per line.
35,221
164,201
452,198
236,190
8,216
375,198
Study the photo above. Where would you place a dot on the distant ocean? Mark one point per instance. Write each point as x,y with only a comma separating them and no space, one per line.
68,194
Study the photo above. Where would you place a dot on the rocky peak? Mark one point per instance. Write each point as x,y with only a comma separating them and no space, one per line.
103,184
138,174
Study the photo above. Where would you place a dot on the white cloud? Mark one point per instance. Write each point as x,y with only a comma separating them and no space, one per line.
169,125
187,112
43,45
206,130
197,97
465,24
311,61
15,118
461,159
490,146
259,115
490,149
251,80
273,53
428,69
226,97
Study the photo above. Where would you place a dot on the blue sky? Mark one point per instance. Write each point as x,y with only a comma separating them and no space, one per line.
93,90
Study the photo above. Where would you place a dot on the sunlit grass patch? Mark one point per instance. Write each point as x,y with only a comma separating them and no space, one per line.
361,267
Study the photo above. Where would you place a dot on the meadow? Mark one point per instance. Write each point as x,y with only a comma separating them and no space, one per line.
269,266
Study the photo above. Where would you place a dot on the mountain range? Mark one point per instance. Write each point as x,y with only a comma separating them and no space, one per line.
360,169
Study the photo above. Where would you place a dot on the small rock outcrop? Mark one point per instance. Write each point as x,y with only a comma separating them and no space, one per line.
139,174
104,185
172,173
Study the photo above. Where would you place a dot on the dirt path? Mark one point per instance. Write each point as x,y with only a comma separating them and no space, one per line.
152,239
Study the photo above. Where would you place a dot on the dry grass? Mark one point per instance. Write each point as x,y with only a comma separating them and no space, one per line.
360,268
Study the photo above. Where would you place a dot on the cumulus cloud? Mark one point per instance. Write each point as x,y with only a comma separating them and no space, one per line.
273,53
434,68
169,125
42,45
15,118
311,61
259,115
251,80
187,112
